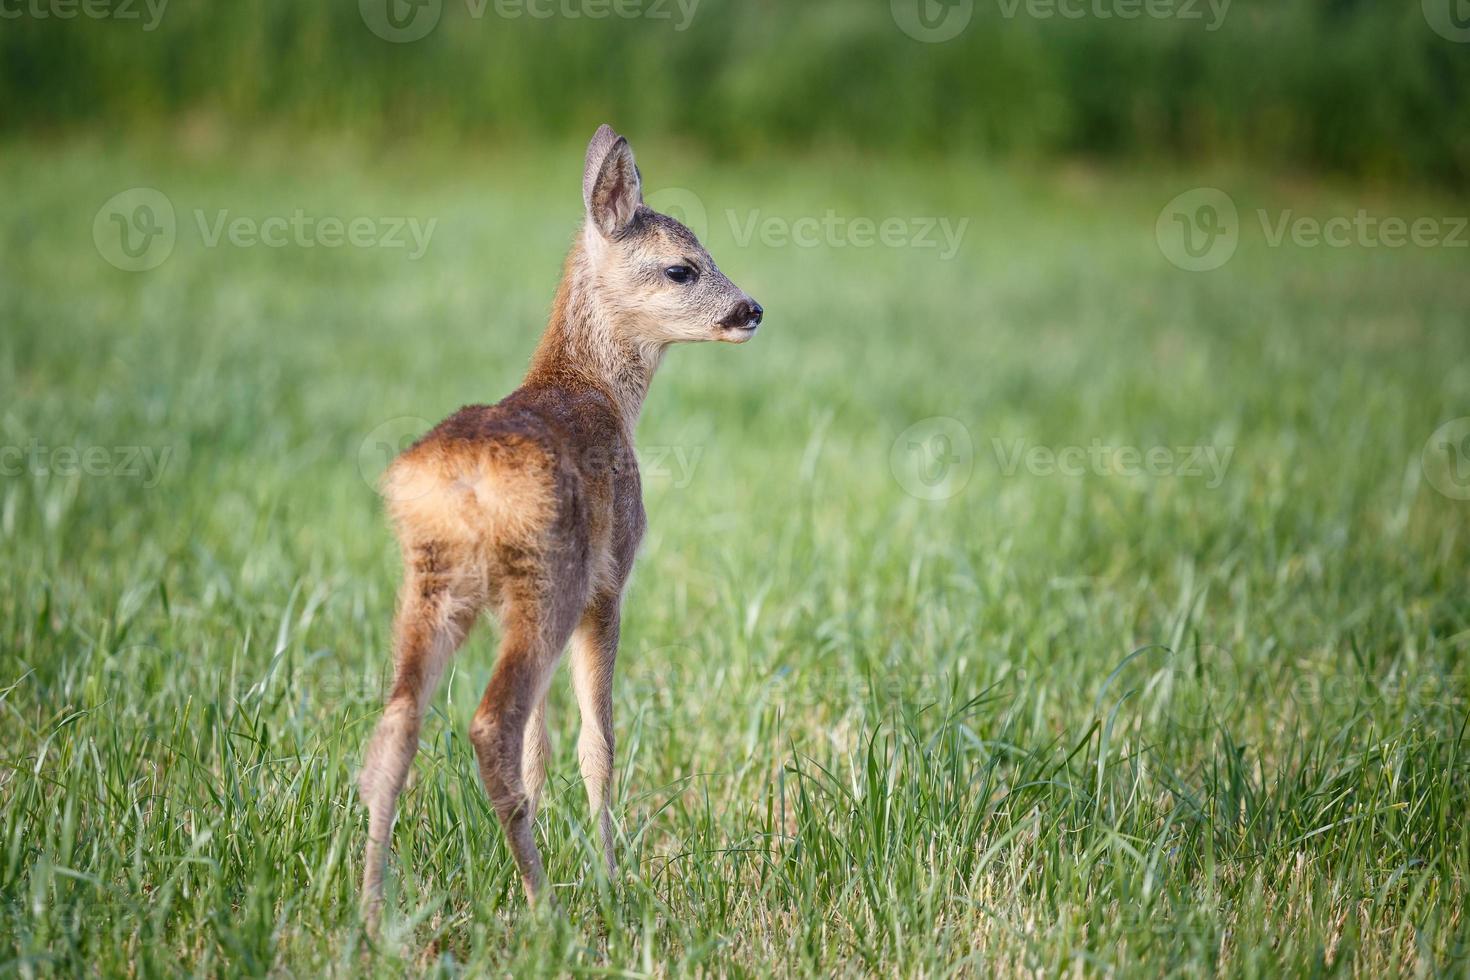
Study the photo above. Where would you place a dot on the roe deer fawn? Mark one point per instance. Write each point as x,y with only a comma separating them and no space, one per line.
533,509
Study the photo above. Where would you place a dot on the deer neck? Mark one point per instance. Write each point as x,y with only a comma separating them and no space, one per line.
583,345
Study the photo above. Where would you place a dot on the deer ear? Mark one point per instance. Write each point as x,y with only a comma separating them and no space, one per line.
611,186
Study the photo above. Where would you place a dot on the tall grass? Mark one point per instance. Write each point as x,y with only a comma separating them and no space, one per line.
1355,87
1139,725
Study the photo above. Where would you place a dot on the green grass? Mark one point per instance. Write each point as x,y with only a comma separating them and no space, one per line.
859,731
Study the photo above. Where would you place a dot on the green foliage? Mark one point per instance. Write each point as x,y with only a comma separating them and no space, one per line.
1356,87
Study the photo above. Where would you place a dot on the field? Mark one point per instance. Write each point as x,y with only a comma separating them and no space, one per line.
1036,608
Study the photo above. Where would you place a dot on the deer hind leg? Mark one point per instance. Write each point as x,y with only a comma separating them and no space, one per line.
534,753
534,633
594,652
431,624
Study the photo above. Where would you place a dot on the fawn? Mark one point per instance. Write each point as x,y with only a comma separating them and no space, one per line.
533,509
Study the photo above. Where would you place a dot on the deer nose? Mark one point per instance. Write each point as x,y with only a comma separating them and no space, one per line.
747,314
744,315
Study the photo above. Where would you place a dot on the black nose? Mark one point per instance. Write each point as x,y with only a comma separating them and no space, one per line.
744,315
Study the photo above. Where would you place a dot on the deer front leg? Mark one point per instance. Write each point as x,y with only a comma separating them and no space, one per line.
594,652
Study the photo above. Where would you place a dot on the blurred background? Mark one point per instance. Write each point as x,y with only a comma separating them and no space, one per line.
1354,87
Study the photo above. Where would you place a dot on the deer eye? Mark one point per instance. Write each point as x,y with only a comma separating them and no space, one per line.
679,273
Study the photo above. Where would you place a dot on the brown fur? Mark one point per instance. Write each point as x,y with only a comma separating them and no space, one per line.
532,509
